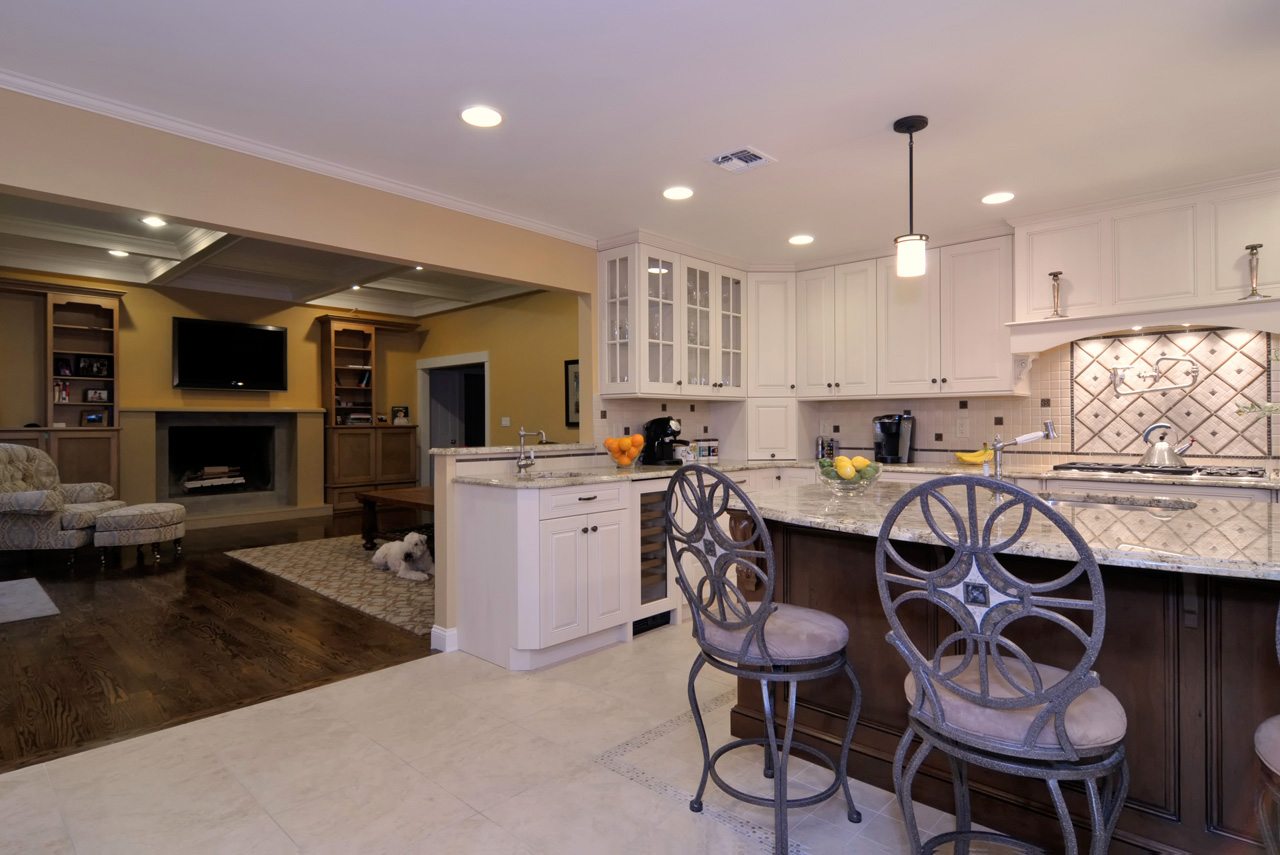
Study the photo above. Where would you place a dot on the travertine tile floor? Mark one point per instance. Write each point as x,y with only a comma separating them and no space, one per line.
447,754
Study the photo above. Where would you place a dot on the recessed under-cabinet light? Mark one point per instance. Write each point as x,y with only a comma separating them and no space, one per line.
480,116
355,287
800,240
659,270
677,193
419,267
154,221
118,253
1136,329
997,198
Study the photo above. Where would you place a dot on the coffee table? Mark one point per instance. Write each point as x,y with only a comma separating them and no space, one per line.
421,498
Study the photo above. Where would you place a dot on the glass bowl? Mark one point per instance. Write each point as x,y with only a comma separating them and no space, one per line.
829,473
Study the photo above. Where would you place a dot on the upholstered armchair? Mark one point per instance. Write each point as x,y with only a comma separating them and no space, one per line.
38,512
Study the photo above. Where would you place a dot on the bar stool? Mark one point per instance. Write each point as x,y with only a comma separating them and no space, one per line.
975,694
771,643
1266,743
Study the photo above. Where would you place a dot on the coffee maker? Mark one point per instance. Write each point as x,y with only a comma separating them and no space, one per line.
893,437
660,441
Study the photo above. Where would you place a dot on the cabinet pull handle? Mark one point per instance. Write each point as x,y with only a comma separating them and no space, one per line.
587,498
594,528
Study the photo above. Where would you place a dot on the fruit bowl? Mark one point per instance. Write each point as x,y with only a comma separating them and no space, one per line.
624,449
846,476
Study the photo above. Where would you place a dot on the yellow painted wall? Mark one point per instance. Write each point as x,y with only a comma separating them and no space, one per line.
22,327
528,339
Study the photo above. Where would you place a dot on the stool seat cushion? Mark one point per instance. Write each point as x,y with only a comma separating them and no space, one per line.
151,515
1266,741
1095,720
791,634
78,515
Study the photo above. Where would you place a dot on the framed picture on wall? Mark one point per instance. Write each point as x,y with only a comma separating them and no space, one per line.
572,394
400,415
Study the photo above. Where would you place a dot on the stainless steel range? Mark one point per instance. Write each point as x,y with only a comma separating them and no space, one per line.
1129,468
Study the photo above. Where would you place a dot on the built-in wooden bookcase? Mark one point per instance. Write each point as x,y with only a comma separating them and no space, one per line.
349,373
83,360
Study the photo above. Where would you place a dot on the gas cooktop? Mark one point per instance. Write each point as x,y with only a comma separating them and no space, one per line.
1123,468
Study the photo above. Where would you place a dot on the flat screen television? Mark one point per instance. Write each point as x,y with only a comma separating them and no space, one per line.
227,355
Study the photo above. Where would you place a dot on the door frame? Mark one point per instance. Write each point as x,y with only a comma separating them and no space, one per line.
423,367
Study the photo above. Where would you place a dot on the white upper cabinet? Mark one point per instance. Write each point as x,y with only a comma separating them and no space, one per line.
697,279
772,428
617,301
908,311
1154,257
771,311
815,333
661,326
976,302
1074,249
1234,222
836,331
729,332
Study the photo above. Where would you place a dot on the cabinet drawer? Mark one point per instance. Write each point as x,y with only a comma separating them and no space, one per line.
344,498
563,501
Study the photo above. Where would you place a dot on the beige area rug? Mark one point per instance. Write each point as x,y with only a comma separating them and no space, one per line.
339,568
23,599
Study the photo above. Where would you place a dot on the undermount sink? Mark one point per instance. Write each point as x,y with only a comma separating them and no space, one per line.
1089,500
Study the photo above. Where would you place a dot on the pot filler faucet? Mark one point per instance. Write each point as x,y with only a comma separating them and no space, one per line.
525,461
1000,445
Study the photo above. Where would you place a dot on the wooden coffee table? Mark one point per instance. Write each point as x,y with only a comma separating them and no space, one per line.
422,498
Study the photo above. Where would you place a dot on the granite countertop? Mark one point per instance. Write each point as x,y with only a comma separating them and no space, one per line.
596,474
499,450
1217,537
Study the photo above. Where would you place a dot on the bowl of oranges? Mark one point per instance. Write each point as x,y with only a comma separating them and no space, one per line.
847,475
624,449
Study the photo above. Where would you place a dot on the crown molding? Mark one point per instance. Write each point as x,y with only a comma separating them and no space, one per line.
671,244
179,127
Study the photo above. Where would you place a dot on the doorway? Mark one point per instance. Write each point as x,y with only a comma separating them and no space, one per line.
453,397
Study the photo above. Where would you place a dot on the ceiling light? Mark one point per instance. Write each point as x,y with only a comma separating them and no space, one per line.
481,116
154,221
1186,325
912,247
118,253
997,198
800,240
677,193
1135,329
659,270
355,287
419,267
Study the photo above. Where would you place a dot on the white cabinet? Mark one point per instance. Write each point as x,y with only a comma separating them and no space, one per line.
1154,256
836,331
696,280
1073,248
617,299
772,428
1234,221
908,312
771,304
583,586
728,316
977,302
789,476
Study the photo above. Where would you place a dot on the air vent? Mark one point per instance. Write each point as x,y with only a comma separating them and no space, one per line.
743,159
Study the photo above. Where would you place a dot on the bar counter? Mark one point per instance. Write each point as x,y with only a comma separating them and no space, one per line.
1189,651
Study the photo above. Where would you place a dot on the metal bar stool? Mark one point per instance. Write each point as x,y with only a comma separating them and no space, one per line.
976,695
1266,743
764,641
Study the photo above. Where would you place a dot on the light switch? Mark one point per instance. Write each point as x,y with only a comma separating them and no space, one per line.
962,427
506,421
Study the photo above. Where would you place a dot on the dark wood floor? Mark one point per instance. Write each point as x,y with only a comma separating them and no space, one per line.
139,648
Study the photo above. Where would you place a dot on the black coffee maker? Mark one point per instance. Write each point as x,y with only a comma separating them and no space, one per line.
893,437
660,441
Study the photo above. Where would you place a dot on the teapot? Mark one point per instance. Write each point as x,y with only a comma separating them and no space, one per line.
1161,452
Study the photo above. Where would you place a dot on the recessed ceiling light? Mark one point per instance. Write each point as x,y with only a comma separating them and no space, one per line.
659,270
1186,325
481,116
1135,329
118,253
154,221
355,287
800,240
419,267
997,198
677,193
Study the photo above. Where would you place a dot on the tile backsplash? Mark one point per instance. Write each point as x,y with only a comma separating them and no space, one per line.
1233,370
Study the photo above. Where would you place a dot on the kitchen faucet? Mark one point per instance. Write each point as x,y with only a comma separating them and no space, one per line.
525,460
999,445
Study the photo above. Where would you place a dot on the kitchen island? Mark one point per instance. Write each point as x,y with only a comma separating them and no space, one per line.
1189,651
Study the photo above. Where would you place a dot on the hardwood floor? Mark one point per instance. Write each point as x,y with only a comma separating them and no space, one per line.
139,648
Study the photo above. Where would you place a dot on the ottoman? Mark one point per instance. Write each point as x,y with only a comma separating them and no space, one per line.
138,525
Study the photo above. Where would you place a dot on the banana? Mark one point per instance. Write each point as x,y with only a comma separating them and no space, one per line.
982,455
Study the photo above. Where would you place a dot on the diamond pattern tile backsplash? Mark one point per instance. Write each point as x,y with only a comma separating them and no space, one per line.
1234,370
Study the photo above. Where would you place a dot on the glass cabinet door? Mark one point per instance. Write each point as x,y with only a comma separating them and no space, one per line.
697,364
660,331
731,332
617,307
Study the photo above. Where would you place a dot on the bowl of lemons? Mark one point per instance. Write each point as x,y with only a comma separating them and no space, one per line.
847,475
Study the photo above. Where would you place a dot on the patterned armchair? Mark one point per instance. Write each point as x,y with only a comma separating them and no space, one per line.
37,512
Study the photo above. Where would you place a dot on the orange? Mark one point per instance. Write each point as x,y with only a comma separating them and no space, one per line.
624,444
633,453
611,444
637,440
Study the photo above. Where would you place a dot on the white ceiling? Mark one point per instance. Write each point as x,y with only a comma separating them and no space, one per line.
607,103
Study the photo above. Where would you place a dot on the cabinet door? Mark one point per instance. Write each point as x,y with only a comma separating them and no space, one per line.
815,327
696,280
1154,257
1075,248
661,324
607,556
771,428
729,334
977,302
1237,222
86,456
353,456
771,304
397,454
617,321
797,477
907,330
562,567
854,328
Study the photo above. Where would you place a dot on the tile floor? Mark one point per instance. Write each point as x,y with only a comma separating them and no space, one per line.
447,754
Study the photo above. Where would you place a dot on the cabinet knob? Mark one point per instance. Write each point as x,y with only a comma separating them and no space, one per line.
595,528
838,385
679,382
773,455
777,477
828,385
933,379
793,385
584,529
944,379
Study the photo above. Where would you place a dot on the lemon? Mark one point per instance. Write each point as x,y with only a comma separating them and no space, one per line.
845,470
842,460
860,463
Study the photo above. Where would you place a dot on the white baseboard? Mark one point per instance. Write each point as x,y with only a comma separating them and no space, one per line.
444,639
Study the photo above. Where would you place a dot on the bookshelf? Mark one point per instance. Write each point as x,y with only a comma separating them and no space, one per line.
82,342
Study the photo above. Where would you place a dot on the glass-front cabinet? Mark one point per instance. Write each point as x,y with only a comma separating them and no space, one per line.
670,325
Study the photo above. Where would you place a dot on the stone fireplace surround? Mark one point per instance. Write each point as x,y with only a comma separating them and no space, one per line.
274,483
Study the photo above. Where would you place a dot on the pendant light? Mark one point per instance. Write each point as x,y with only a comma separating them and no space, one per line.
912,247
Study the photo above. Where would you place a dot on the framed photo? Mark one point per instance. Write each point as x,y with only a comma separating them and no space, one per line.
400,415
572,394
62,366
93,366
96,396
93,418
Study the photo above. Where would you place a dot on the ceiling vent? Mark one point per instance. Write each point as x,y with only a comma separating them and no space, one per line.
743,159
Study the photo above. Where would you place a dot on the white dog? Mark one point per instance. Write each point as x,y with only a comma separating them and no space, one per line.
409,558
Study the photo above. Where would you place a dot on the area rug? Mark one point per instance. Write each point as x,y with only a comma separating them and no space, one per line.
339,568
22,599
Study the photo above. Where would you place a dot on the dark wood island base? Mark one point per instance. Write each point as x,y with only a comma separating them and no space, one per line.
1191,657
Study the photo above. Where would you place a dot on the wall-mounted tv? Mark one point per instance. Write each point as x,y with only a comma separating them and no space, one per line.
226,355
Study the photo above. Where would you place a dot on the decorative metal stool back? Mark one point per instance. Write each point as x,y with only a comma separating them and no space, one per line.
1266,742
717,554
976,694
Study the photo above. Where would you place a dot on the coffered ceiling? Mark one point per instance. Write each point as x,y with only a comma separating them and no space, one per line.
607,103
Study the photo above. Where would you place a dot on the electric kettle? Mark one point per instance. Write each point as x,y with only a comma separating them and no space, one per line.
1161,452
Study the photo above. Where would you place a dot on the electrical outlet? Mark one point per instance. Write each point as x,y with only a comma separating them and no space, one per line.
506,421
962,427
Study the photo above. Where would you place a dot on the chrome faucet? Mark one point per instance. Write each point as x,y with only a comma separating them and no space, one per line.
1000,445
525,460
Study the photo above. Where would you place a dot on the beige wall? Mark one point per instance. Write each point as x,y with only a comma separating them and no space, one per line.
528,339
22,328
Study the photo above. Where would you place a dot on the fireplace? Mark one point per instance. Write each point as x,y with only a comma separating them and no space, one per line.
218,463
